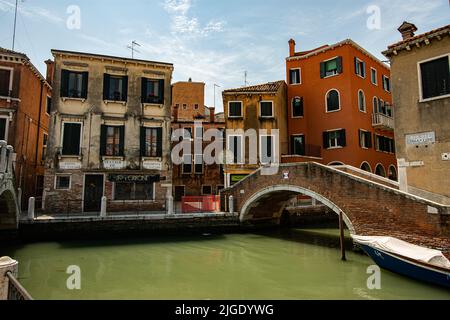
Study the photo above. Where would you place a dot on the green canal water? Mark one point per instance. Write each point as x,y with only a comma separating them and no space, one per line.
288,264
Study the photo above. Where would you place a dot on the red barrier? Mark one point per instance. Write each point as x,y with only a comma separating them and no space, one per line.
192,204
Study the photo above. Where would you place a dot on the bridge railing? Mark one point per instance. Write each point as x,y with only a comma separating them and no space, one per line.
7,158
10,287
15,290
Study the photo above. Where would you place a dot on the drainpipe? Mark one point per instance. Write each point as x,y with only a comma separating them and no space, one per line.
38,127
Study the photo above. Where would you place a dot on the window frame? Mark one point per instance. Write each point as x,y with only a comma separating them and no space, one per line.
376,76
326,101
56,182
337,70
366,162
362,140
161,84
299,76
419,70
207,194
293,136
11,80
154,131
106,140
272,108
260,148
364,100
337,139
242,110
360,62
242,139
292,108
384,78
114,188
6,126
62,137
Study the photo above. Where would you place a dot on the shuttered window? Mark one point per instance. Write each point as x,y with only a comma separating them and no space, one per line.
235,109
266,109
334,139
297,107
294,76
5,78
435,77
74,84
360,68
331,67
71,139
112,141
298,145
152,91
365,139
115,88
151,142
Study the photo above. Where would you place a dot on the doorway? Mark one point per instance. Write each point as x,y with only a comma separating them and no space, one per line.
93,193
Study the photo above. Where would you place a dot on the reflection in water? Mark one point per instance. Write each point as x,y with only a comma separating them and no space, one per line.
280,264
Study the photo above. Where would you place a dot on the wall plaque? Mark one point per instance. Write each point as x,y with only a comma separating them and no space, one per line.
67,165
113,164
421,138
152,165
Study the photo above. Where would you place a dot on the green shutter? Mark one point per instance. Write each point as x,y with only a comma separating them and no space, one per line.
144,93
142,142
356,66
364,69
342,138
339,64
125,89
122,141
159,142
103,131
359,137
322,70
106,78
326,140
369,140
161,92
84,89
64,83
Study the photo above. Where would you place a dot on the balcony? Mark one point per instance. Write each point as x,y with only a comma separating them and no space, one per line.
382,121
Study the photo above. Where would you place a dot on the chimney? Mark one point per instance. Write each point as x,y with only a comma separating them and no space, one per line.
190,80
407,30
50,71
212,115
291,48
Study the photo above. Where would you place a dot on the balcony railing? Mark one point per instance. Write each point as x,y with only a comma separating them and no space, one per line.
380,120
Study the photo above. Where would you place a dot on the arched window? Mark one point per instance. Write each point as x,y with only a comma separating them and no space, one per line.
336,163
361,101
366,167
393,173
375,105
333,100
380,171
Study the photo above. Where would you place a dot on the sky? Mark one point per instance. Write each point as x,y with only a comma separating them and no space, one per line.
211,41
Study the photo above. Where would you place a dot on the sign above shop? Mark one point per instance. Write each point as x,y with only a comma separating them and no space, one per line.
134,178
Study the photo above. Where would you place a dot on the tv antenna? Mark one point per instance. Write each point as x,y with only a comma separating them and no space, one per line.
15,24
133,49
245,78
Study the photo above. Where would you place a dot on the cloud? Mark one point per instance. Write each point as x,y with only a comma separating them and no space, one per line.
180,7
33,12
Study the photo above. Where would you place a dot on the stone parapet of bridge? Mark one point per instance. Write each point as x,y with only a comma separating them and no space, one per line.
368,207
9,210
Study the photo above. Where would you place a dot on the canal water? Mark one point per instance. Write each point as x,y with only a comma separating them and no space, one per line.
281,264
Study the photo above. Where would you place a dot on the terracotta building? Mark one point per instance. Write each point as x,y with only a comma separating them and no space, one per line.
25,101
421,90
110,134
259,107
194,177
340,108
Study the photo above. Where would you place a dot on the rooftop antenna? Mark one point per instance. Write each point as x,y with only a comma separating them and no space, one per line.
245,79
15,24
133,49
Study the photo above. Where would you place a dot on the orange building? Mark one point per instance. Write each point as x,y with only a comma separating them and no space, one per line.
340,108
25,102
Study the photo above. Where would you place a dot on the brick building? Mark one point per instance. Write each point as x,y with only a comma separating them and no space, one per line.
421,89
25,100
340,108
194,177
110,134
259,107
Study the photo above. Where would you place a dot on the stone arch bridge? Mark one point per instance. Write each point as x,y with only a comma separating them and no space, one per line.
9,209
370,206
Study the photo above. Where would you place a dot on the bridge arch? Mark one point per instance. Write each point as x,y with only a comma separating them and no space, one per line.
290,191
8,211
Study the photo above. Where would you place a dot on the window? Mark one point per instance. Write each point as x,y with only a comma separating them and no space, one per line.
297,107
298,145
266,109
267,149
126,191
360,68
152,91
206,190
62,183
235,109
48,109
366,167
375,105
365,139
151,142
115,88
384,144
112,141
392,173
74,84
5,82
334,139
184,106
3,127
196,106
333,101
71,139
386,84
331,67
187,164
435,78
295,76
44,146
379,170
373,76
198,163
235,147
361,101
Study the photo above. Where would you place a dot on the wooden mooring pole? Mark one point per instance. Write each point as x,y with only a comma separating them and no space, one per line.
341,229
